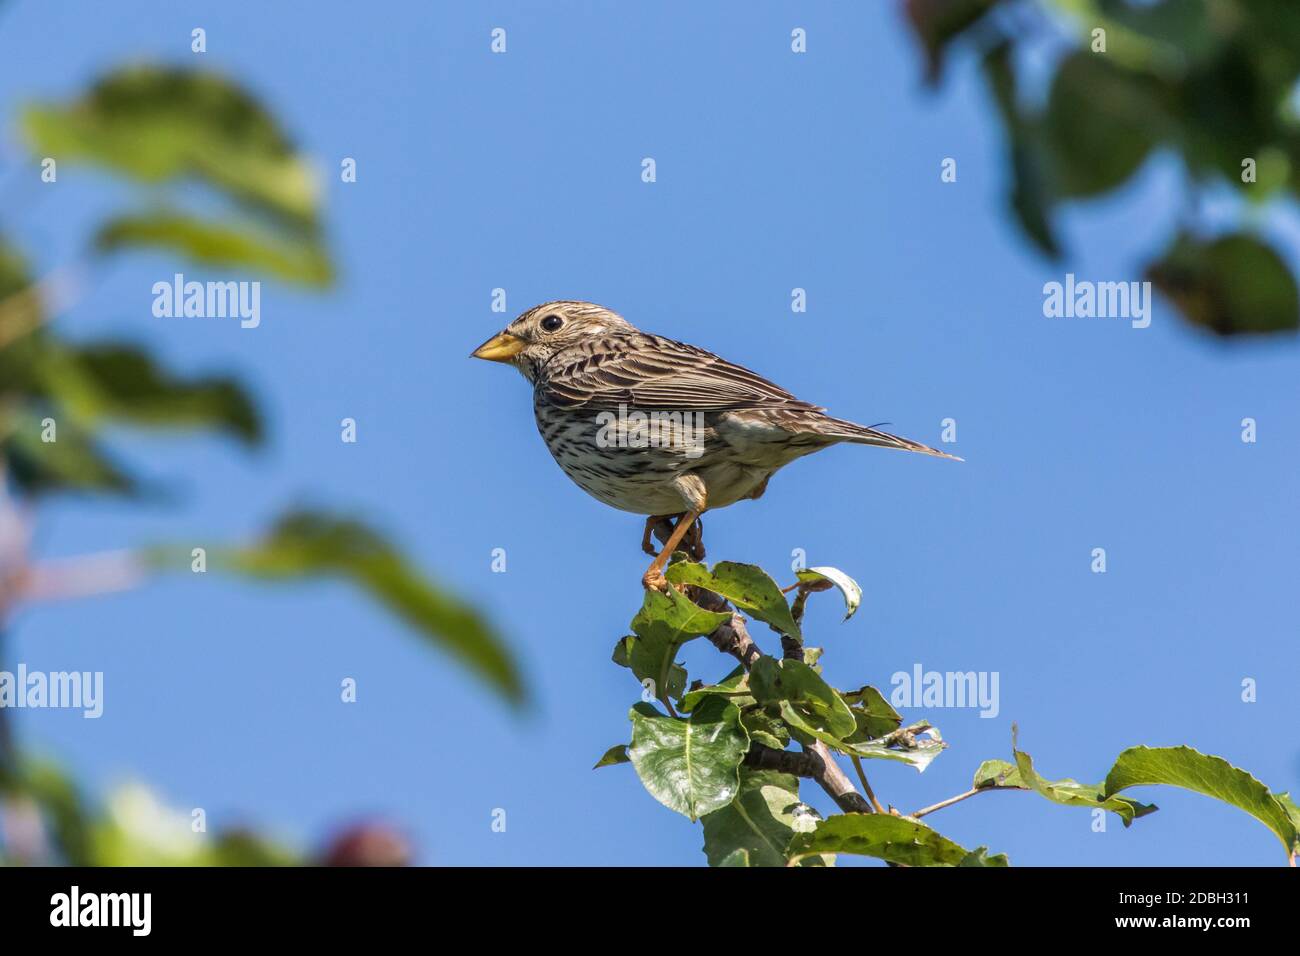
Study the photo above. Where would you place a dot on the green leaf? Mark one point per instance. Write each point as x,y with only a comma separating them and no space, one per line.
60,802
1232,285
736,858
735,686
848,587
766,813
887,837
1102,123
614,755
807,702
937,23
297,258
1073,794
1208,775
690,765
874,715
73,462
166,123
309,544
119,381
1032,194
916,746
764,728
747,586
664,623
998,773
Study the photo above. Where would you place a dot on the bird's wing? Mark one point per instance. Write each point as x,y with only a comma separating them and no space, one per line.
648,371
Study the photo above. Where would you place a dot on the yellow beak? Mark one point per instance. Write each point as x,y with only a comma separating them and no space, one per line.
502,347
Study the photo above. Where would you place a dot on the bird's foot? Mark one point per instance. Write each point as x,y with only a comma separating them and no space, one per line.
654,580
693,543
659,525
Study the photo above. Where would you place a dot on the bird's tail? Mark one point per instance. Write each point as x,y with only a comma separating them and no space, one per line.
863,435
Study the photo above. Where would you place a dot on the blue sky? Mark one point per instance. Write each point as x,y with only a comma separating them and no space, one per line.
775,171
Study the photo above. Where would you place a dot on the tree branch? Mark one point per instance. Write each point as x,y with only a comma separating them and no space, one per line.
733,638
958,799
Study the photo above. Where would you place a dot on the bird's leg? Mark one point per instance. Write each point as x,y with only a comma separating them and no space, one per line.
654,579
659,525
693,543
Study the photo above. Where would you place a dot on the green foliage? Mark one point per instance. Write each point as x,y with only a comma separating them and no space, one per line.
889,838
132,829
665,623
168,125
760,823
218,244
848,587
1210,81
1211,776
1070,793
309,544
747,586
727,760
1229,285
156,124
689,764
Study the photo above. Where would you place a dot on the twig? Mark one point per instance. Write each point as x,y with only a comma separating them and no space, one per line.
862,776
84,576
957,799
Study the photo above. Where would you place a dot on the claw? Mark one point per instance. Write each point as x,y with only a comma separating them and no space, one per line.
654,580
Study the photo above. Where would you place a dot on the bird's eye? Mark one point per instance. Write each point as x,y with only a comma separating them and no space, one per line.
551,323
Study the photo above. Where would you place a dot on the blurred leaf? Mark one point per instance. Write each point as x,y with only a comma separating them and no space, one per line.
292,259
760,821
1073,794
735,687
890,838
735,858
74,462
849,588
1102,122
122,381
308,544
690,765
61,804
937,22
614,755
161,123
138,830
747,586
1032,195
1231,285
1208,775
998,773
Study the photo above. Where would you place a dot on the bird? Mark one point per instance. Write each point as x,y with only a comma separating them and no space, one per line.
657,427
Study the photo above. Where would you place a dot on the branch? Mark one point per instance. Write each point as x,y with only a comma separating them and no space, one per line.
85,576
957,799
733,638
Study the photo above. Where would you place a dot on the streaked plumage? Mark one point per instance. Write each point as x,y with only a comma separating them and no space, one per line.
588,365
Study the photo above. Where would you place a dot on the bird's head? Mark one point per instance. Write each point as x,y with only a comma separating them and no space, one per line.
530,340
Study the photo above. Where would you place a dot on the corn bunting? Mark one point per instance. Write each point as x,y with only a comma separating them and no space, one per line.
658,427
